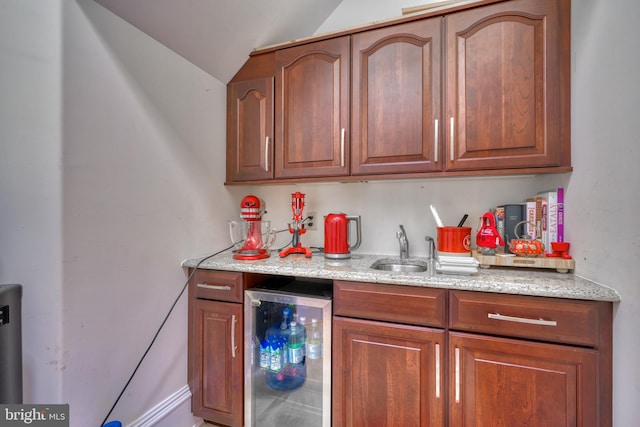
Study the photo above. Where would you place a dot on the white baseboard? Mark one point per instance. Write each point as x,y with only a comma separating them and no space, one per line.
163,408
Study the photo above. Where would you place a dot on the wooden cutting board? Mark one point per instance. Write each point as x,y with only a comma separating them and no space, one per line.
561,265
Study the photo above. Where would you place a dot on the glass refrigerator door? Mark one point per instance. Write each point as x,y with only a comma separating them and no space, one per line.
287,359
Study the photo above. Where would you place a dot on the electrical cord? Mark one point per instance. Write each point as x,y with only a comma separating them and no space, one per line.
160,328
153,340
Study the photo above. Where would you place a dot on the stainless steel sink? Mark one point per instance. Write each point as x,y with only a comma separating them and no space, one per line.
400,265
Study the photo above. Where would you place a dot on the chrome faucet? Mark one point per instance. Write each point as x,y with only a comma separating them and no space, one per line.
404,243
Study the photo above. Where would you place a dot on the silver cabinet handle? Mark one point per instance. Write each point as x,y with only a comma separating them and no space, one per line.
437,371
498,316
233,336
457,374
435,142
342,148
266,154
452,134
214,287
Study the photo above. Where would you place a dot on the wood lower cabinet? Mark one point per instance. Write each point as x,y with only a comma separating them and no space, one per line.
218,367
469,358
384,373
508,382
387,374
517,360
507,86
216,346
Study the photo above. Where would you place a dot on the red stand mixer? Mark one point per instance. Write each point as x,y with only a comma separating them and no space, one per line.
297,227
252,229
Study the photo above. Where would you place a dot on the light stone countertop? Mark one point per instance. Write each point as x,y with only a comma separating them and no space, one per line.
520,281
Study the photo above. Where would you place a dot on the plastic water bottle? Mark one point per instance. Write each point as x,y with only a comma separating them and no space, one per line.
314,341
265,354
294,345
275,364
302,329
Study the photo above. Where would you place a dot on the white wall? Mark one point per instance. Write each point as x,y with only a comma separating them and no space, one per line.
142,177
30,184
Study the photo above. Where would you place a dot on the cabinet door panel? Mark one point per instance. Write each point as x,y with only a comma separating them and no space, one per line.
217,351
387,374
312,109
250,130
396,98
507,103
506,382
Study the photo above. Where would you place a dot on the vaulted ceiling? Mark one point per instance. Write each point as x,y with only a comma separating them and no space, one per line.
218,35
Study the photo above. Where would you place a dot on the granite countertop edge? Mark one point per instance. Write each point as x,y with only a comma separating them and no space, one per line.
518,281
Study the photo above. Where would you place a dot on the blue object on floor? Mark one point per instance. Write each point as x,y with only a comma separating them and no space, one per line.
113,424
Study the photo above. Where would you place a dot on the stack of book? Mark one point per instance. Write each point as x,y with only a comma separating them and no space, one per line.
544,214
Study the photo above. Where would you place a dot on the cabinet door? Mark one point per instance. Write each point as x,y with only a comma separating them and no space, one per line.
217,362
312,109
387,374
508,89
507,382
396,93
250,130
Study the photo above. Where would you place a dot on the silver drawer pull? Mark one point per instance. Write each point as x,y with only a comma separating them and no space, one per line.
214,287
498,316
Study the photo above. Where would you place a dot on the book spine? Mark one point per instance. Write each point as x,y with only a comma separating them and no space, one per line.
499,214
512,216
560,196
530,216
553,217
544,222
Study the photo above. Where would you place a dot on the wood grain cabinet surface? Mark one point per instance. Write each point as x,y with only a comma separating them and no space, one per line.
312,109
419,356
507,86
215,361
396,99
519,360
475,89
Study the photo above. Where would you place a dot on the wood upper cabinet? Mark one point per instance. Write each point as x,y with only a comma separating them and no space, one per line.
396,99
508,86
312,110
250,130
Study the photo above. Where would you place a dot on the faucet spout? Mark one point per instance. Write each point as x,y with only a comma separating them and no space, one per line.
404,243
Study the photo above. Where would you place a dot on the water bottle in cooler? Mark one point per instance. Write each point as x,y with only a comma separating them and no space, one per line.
314,342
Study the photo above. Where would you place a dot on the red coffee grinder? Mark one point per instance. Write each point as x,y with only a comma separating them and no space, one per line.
297,227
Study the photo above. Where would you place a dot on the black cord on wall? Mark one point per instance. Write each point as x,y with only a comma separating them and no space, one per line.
159,329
